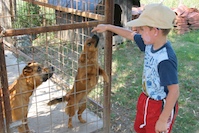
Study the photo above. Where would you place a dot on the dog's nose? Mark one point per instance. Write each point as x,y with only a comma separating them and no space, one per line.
52,68
96,38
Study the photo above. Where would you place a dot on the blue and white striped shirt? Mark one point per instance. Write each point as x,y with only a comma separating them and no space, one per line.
160,69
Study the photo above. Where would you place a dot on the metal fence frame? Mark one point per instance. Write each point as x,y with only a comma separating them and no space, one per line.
4,93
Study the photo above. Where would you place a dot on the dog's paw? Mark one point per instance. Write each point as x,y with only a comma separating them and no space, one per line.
82,121
70,126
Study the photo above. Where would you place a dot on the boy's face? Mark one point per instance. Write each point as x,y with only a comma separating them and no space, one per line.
148,34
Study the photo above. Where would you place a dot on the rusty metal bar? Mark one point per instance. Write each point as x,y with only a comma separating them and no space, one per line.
4,83
2,125
109,13
35,30
11,10
70,10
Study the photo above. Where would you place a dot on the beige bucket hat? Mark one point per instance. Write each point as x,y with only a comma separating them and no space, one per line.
154,15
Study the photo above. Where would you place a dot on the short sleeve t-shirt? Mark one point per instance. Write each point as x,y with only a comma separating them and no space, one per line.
160,69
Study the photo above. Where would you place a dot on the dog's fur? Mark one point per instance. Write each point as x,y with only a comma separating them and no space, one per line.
86,79
22,88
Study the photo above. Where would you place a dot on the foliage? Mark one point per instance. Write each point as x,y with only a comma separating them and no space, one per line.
27,15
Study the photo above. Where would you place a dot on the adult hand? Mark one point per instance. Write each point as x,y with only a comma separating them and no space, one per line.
161,126
100,28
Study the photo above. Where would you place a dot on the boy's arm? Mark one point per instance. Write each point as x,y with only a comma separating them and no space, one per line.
128,34
161,124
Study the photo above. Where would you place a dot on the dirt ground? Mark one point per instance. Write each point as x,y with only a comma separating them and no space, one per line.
121,123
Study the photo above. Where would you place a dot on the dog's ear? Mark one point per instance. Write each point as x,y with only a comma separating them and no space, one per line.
27,70
31,62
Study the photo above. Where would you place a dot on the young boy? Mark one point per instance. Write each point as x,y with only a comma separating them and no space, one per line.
157,105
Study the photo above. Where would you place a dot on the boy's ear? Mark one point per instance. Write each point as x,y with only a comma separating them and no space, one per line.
156,31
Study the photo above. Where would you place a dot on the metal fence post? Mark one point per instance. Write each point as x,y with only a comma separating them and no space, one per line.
4,84
109,13
2,125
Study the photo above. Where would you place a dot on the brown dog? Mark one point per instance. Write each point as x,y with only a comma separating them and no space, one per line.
22,88
86,79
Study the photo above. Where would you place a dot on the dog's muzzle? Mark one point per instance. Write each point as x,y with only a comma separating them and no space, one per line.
49,74
96,38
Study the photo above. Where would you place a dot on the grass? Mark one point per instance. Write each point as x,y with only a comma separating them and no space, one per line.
187,50
127,72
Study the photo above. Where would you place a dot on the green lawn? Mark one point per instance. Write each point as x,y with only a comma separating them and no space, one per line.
187,50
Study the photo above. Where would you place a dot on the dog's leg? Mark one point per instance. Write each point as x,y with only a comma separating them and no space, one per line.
103,74
70,110
21,129
92,81
21,114
24,128
82,107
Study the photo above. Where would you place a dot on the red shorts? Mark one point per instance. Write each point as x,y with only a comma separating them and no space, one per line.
148,112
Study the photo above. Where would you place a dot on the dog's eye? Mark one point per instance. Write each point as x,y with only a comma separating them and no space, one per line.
89,44
39,69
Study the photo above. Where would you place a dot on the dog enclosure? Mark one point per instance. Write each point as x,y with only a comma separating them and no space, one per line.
31,31
52,32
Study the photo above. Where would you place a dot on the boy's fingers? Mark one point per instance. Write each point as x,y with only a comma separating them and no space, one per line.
94,29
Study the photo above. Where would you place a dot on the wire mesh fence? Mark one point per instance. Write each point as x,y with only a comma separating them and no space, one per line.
51,33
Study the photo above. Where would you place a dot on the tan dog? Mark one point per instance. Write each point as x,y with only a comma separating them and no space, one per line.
22,88
86,79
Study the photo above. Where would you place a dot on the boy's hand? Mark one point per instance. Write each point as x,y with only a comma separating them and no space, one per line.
161,126
100,28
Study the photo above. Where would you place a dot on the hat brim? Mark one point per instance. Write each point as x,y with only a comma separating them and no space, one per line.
135,23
